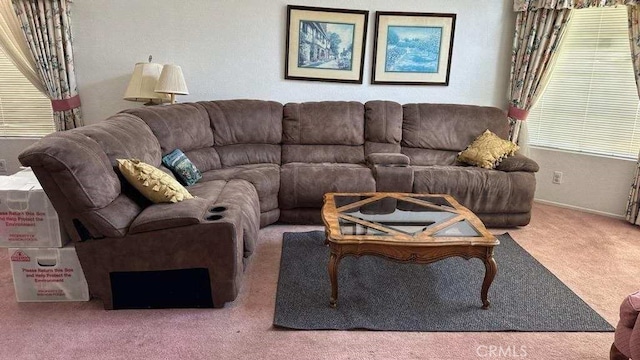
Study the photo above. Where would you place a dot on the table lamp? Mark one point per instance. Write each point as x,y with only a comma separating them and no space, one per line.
171,82
143,82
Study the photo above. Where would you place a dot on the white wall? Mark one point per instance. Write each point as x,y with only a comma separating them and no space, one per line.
235,49
593,183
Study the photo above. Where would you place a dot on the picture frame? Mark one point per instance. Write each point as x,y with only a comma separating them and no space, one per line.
413,48
325,44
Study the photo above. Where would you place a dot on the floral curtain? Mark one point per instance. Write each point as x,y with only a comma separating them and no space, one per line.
537,35
47,28
633,203
14,45
525,5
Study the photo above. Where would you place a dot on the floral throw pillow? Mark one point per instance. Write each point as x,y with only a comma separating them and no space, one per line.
182,167
487,151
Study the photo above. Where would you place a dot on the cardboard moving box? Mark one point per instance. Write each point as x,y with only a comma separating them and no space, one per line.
52,274
27,218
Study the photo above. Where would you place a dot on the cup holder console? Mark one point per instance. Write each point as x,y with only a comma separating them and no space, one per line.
215,213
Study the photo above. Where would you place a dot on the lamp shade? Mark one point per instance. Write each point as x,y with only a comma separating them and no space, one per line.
143,82
171,81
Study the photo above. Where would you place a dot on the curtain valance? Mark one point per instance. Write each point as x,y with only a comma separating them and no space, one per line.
524,5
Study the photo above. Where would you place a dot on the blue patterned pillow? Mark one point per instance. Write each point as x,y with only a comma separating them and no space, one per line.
184,169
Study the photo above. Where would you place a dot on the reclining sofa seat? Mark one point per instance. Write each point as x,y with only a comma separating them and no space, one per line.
433,135
188,127
262,162
322,151
116,230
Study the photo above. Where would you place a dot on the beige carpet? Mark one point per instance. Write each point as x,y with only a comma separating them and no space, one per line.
597,257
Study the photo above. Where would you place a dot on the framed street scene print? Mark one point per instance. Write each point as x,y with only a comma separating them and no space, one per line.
325,44
413,48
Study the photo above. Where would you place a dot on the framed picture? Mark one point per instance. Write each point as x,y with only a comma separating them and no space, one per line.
325,44
412,48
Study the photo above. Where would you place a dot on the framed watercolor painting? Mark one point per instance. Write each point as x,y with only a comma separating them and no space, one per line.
325,44
413,48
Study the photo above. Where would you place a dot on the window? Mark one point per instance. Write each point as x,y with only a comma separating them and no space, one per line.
24,111
591,102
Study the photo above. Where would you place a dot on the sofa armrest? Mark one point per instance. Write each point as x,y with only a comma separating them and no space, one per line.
627,335
166,215
518,162
629,310
387,159
391,172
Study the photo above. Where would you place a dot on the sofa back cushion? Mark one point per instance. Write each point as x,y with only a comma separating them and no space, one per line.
328,131
245,121
433,133
247,154
185,127
181,126
77,170
246,131
124,136
383,126
449,127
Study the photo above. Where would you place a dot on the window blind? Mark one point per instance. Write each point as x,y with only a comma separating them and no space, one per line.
591,103
24,111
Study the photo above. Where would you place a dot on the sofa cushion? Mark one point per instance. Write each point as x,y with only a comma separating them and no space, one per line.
245,121
323,154
77,161
428,157
371,147
165,216
153,183
448,126
387,159
304,185
487,151
383,122
480,190
204,159
179,126
244,154
264,177
124,136
323,123
114,219
182,167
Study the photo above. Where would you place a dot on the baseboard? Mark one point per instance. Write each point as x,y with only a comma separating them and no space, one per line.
579,208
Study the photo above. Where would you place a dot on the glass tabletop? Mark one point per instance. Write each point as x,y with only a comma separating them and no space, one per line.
410,215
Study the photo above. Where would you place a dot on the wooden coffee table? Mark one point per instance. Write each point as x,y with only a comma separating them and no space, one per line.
414,228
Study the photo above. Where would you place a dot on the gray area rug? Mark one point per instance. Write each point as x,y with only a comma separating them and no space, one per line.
378,294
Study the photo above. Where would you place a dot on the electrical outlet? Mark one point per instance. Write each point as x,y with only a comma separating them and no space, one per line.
557,177
3,167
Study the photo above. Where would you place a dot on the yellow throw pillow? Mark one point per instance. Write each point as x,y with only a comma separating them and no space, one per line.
153,183
487,150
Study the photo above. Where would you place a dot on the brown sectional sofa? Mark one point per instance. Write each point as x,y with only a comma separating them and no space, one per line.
261,162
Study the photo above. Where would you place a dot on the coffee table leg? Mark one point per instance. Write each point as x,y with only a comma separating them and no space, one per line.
333,277
491,268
